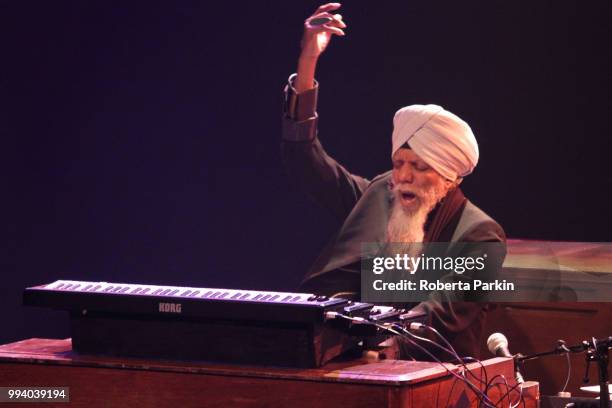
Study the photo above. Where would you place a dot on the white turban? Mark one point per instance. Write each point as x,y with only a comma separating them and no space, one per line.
440,138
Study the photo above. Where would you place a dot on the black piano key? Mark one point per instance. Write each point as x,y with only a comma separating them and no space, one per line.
274,297
86,288
174,292
287,298
186,293
145,290
194,293
125,289
207,294
156,291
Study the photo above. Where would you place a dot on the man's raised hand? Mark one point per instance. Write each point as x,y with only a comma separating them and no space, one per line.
318,29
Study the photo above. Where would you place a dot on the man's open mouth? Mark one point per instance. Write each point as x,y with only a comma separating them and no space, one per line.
407,196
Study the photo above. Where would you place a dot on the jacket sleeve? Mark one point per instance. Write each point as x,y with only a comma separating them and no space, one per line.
307,164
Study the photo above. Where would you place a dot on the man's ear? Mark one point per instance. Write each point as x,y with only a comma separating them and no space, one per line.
453,184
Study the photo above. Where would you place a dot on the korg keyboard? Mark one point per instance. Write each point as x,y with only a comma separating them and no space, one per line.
209,303
226,325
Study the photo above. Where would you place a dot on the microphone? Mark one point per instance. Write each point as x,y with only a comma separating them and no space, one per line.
497,344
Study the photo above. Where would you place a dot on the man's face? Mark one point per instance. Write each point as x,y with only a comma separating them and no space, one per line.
415,183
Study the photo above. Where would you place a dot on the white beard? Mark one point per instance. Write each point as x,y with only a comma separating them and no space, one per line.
406,226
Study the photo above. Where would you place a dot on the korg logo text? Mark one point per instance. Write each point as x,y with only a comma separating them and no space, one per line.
170,308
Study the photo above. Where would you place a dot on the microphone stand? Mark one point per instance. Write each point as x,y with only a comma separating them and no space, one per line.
596,350
600,354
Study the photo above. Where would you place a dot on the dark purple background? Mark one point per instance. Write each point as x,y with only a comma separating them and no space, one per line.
141,139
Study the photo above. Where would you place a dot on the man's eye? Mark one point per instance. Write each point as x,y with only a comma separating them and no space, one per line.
421,167
397,164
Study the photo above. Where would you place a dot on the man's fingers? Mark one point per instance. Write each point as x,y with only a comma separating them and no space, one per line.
338,21
324,14
325,18
329,29
327,7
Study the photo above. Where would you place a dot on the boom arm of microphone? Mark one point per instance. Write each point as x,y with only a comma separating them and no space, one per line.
562,348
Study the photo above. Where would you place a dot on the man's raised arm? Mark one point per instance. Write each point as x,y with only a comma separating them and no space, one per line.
330,184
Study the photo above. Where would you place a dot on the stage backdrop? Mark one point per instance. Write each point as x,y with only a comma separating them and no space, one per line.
140,139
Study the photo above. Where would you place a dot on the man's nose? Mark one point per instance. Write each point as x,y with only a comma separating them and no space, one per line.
405,175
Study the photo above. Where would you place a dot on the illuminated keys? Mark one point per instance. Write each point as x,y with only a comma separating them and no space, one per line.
222,295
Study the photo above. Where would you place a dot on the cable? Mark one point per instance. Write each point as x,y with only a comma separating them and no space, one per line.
452,352
459,359
450,393
436,332
569,371
449,349
483,398
521,397
505,382
482,367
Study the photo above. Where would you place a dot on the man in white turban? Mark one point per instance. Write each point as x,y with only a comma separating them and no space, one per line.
417,201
